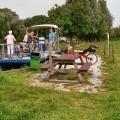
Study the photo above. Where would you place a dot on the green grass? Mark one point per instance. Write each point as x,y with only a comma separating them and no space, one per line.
64,76
20,101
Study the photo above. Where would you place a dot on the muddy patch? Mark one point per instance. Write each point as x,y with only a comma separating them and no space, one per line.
94,86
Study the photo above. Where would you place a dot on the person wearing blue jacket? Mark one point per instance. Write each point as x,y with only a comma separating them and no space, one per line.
51,37
51,42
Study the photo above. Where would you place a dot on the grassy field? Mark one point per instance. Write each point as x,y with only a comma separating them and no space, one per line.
20,101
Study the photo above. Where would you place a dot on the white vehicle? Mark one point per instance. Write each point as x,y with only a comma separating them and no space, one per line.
41,45
43,26
63,39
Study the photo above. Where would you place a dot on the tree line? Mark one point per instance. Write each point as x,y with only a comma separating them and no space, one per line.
83,19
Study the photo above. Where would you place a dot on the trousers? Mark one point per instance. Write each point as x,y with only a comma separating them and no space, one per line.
10,49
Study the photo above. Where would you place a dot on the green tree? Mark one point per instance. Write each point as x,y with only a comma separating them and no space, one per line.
90,18
37,20
85,17
107,18
60,15
69,1
9,20
115,33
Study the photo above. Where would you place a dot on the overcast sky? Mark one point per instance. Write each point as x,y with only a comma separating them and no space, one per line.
29,8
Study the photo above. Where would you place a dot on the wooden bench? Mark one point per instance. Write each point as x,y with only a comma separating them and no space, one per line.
85,66
46,66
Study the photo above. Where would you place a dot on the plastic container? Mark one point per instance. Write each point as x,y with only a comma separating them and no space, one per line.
35,61
42,42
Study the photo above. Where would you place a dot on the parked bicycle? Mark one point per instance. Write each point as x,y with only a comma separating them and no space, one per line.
88,54
23,49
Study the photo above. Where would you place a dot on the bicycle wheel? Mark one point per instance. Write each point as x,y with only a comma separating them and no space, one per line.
91,57
26,48
33,47
20,54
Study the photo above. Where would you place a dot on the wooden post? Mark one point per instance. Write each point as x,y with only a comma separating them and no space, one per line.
80,77
73,45
50,54
109,50
108,43
104,50
98,44
113,57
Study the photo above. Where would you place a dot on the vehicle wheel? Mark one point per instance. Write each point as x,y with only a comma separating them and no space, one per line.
20,54
26,49
33,47
91,57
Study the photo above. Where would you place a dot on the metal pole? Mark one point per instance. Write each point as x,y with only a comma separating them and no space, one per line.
3,51
58,39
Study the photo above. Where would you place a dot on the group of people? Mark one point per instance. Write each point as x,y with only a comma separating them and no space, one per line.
11,40
28,38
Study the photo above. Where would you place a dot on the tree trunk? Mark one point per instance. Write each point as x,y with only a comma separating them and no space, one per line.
71,38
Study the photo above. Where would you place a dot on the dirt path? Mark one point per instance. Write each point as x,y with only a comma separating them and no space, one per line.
93,87
95,80
96,69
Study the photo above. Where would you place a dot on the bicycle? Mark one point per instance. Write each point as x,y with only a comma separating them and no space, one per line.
88,54
23,49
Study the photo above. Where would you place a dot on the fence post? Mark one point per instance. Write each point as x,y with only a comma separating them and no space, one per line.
109,50
108,43
98,44
113,57
104,50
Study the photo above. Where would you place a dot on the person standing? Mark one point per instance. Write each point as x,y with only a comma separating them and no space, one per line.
26,37
51,42
51,37
10,44
30,40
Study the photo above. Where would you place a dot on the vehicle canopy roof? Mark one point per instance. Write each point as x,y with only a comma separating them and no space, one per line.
43,26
